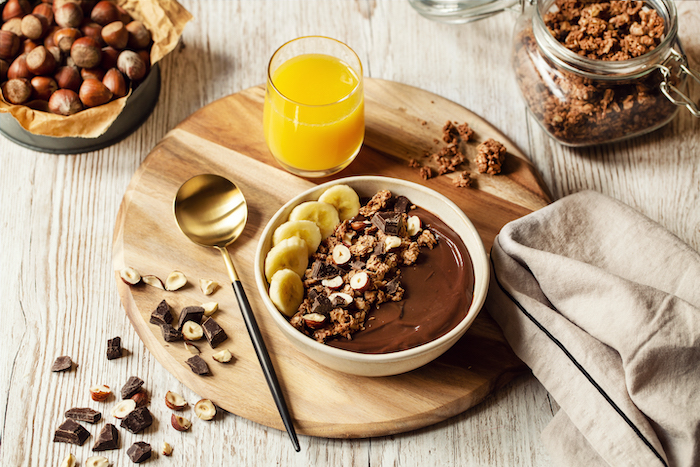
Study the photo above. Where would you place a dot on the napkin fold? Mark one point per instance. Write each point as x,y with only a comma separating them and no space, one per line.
603,304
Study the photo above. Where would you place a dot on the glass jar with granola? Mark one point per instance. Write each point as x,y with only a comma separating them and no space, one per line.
598,71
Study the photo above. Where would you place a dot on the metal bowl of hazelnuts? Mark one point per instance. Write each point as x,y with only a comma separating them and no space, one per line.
66,56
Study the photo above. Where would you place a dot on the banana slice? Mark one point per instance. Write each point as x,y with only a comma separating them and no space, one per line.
291,253
306,230
286,291
344,199
324,215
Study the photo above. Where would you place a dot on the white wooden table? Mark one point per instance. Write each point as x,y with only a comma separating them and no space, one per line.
57,291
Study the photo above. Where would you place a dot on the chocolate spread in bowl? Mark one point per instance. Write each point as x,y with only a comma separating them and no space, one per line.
438,292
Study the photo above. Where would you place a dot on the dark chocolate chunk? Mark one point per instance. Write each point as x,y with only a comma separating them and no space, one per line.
190,313
63,363
321,305
214,333
138,420
379,249
139,452
107,439
393,285
72,432
170,334
114,348
131,387
357,264
314,291
198,365
388,222
161,315
402,204
84,414
322,270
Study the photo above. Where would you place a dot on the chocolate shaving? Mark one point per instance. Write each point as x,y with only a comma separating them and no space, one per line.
322,270
114,348
84,414
161,315
138,420
63,363
213,332
132,386
139,452
72,432
107,439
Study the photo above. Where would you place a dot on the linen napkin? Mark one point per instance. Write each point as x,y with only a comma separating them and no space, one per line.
603,305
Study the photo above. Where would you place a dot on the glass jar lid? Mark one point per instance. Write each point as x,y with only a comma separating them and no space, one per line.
461,11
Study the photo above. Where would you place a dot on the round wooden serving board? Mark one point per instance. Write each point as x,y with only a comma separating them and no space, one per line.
226,138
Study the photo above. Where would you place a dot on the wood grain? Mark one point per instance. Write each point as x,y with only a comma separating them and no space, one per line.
225,137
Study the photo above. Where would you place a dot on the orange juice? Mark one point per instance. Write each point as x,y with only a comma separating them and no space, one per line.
314,118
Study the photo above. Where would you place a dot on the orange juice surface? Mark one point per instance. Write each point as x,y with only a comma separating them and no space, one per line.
316,120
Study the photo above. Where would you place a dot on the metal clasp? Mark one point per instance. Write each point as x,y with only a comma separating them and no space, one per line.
671,92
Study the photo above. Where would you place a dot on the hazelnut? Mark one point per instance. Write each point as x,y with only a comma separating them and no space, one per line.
360,281
210,308
68,77
114,80
13,25
340,299
167,449
115,35
205,409
123,408
130,276
69,15
99,392
141,398
45,10
15,9
132,65
191,348
341,254
59,3
314,320
18,68
34,26
48,39
97,461
109,58
4,66
139,36
176,279
43,87
56,52
413,225
65,102
69,461
17,90
93,93
9,45
28,45
208,286
86,52
223,356
93,30
92,73
40,61
192,331
180,423
124,15
153,281
175,401
334,283
104,13
65,37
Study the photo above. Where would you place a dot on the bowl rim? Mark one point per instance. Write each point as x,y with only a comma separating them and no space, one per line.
479,260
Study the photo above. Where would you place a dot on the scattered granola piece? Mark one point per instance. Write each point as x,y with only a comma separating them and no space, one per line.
490,156
463,180
426,173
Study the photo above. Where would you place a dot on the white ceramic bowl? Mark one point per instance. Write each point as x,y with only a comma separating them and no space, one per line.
395,362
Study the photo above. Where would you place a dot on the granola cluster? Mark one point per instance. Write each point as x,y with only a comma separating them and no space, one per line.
490,156
358,267
582,111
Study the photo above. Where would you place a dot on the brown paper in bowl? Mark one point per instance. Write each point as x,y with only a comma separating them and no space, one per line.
165,19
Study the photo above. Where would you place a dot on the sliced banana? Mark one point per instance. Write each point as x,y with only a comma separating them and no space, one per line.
286,291
324,215
306,230
291,253
344,199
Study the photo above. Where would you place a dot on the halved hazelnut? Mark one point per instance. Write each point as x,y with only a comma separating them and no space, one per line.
97,461
153,281
315,320
334,283
210,308
167,449
69,461
192,331
180,423
205,409
100,392
130,275
360,281
175,280
208,286
413,225
123,408
191,348
222,356
341,254
340,299
175,401
391,242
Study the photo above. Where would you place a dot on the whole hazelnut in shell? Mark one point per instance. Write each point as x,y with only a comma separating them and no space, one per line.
65,37
86,52
43,87
93,93
105,12
34,26
139,36
4,66
115,35
15,9
13,25
17,90
114,80
68,77
65,102
9,45
69,15
45,10
132,65
40,61
18,68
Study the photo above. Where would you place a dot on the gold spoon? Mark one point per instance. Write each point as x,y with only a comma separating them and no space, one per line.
211,211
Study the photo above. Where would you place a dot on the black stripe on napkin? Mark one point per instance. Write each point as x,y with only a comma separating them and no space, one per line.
580,367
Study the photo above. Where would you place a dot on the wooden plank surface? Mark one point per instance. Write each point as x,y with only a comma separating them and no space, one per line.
56,225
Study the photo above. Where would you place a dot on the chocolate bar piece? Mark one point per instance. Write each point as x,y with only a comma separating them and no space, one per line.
139,452
322,270
321,305
391,223
138,420
161,315
190,313
107,439
132,386
170,334
214,333
198,365
84,414
72,432
62,363
114,348
402,204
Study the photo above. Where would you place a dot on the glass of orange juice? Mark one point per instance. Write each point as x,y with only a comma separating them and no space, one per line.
314,117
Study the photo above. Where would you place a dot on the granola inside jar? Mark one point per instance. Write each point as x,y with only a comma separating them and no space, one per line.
598,71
